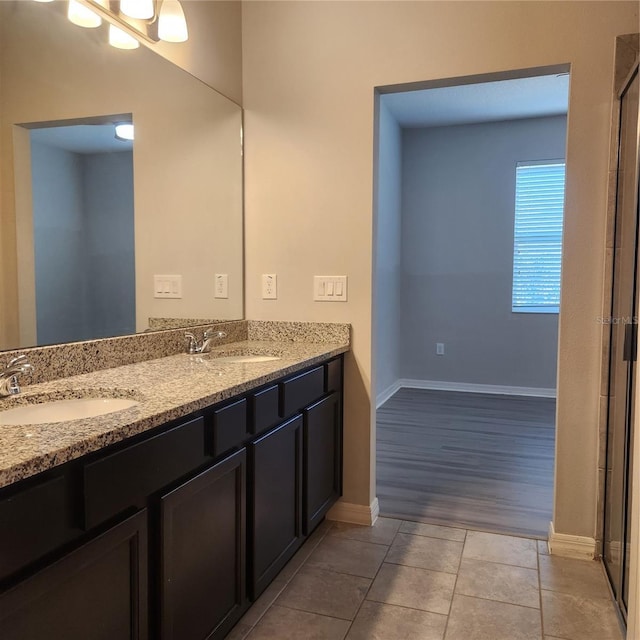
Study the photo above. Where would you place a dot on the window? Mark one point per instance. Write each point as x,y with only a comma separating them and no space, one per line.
537,246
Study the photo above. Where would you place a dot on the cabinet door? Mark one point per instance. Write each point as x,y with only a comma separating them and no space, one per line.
275,522
322,459
203,553
98,591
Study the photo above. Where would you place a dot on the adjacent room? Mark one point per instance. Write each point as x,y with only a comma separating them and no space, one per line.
82,245
470,213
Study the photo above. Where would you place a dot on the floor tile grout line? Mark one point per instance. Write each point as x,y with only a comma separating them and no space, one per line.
512,604
304,563
455,584
540,592
314,613
413,566
338,571
262,615
506,564
374,579
331,527
341,537
460,526
502,564
404,606
576,595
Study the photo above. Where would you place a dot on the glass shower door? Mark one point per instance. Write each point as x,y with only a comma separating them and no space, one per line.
622,367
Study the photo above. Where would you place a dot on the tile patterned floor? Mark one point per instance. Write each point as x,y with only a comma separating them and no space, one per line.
414,581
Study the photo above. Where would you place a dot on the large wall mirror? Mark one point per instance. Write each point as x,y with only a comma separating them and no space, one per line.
91,227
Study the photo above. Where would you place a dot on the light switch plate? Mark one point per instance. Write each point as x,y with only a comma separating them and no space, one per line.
330,288
221,285
167,286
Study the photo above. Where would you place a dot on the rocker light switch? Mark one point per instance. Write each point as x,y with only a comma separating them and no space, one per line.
330,288
167,286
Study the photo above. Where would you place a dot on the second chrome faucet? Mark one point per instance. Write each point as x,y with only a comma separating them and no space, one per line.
9,376
195,346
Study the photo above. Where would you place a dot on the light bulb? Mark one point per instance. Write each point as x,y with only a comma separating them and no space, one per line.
140,9
121,40
83,16
172,26
124,130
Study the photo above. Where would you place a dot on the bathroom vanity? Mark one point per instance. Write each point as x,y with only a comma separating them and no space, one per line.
168,519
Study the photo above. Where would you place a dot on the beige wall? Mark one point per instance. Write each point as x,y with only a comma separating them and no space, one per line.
310,69
213,52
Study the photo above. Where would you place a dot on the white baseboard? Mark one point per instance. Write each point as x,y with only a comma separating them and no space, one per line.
562,544
355,513
471,387
383,396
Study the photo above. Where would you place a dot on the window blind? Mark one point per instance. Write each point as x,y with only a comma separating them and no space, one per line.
537,249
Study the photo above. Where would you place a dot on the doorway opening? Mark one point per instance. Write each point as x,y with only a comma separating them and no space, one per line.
75,235
469,199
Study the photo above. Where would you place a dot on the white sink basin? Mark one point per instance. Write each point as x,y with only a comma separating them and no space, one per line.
243,359
64,410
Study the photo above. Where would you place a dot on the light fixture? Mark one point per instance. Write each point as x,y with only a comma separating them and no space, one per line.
124,130
81,15
172,26
120,39
139,9
132,21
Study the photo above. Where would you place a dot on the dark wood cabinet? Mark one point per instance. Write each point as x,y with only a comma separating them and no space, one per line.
229,427
322,459
202,532
97,591
300,391
169,534
275,513
128,476
36,520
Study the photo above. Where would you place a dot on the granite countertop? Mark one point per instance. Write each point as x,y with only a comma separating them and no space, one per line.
166,388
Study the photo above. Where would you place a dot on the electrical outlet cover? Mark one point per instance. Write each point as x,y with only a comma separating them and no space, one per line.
269,286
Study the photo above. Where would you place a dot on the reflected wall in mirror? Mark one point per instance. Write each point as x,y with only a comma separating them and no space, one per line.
187,183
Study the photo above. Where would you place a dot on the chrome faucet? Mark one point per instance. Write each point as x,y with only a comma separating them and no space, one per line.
9,384
195,346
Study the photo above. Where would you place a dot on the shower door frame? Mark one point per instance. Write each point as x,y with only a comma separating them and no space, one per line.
630,512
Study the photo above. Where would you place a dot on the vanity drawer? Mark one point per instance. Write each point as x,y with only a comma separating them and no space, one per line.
301,391
34,521
334,375
126,478
265,409
229,427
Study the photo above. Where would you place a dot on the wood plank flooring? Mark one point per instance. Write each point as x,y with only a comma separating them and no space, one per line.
472,460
